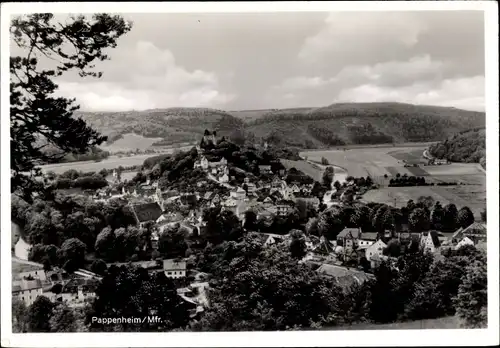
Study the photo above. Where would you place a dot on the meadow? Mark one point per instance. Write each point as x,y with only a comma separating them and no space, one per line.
473,196
380,161
130,142
314,170
389,160
366,161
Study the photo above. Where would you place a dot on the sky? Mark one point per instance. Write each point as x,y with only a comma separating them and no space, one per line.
282,60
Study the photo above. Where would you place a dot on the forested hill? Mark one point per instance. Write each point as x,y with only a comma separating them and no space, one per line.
468,146
336,124
174,125
363,123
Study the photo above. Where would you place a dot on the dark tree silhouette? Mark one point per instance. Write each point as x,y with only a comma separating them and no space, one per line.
39,120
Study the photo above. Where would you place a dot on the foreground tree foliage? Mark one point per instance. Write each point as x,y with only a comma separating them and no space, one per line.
472,297
132,292
19,313
63,319
265,289
39,314
38,119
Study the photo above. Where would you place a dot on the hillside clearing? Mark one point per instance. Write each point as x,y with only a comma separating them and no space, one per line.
130,142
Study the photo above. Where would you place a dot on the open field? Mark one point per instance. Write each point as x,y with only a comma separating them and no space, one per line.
130,142
473,196
408,155
108,163
455,169
366,161
399,196
417,171
125,176
315,170
379,161
439,323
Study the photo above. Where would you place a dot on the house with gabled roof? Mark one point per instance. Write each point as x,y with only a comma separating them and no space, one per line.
348,237
324,247
145,212
265,169
175,268
465,241
224,178
475,232
27,290
429,242
238,194
277,182
284,208
269,239
216,199
208,196
268,201
367,239
376,249
295,188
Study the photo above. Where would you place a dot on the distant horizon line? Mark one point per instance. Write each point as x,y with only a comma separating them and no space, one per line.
270,109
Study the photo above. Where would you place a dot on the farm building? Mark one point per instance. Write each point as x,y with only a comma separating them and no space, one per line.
475,232
174,268
145,212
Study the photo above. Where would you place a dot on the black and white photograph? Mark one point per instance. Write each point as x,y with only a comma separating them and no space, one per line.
209,168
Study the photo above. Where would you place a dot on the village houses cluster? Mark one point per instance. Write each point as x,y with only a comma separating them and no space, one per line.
342,258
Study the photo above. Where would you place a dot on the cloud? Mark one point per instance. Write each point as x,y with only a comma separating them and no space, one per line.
417,80
354,35
232,61
467,93
303,82
395,73
143,78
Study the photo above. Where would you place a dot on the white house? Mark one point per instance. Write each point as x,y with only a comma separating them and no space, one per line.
366,239
465,241
270,239
295,188
204,163
174,269
376,248
287,193
429,242
224,178
278,183
27,290
251,187
238,194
